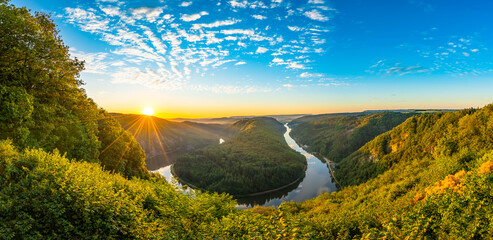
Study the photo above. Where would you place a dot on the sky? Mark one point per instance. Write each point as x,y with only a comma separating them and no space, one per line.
202,58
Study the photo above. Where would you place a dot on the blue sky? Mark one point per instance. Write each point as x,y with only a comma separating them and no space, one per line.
220,58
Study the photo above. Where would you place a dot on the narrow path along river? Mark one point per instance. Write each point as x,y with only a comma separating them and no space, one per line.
317,180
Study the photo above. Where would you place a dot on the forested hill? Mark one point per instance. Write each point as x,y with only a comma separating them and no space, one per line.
42,104
429,178
337,137
466,133
256,159
164,141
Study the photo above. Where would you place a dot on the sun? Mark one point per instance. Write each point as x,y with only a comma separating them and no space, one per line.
148,111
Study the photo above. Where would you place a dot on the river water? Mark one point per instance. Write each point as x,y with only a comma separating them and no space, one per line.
317,180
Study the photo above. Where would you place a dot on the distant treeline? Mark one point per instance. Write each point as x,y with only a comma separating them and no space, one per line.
256,159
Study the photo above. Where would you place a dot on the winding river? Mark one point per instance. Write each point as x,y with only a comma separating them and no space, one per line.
317,180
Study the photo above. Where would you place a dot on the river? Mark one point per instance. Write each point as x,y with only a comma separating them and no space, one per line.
317,180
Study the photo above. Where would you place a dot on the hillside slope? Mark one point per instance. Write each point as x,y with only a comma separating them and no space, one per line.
256,159
165,141
426,178
337,137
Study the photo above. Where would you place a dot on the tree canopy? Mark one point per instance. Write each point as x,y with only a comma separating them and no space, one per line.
42,102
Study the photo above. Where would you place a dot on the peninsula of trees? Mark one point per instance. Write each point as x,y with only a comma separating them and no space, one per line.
254,160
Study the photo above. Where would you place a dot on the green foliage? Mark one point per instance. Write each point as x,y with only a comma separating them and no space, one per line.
42,104
339,136
254,160
45,195
464,133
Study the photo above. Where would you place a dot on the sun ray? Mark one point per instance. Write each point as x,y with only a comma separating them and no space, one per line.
128,145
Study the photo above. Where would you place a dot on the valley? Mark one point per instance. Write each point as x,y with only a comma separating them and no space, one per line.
72,167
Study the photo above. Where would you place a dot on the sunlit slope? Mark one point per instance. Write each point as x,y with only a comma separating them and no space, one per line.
432,182
337,137
164,141
43,104
254,160
426,136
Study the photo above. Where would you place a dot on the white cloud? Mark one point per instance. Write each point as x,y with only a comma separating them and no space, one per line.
177,48
294,28
87,20
185,4
261,50
316,15
288,85
238,31
296,65
316,1
111,11
151,14
308,75
193,17
187,70
149,78
241,4
214,24
219,63
259,17
94,62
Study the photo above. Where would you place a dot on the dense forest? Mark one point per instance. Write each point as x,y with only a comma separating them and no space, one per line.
337,137
69,171
256,159
165,141
42,104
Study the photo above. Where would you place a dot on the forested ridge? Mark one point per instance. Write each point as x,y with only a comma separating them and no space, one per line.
337,137
164,141
430,177
254,160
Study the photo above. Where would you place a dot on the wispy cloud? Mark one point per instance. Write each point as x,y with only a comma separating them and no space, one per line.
259,17
193,17
185,4
164,46
215,24
151,14
261,50
316,15
381,67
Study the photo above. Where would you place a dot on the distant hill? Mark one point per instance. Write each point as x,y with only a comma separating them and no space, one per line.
256,159
164,141
233,119
336,137
314,117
